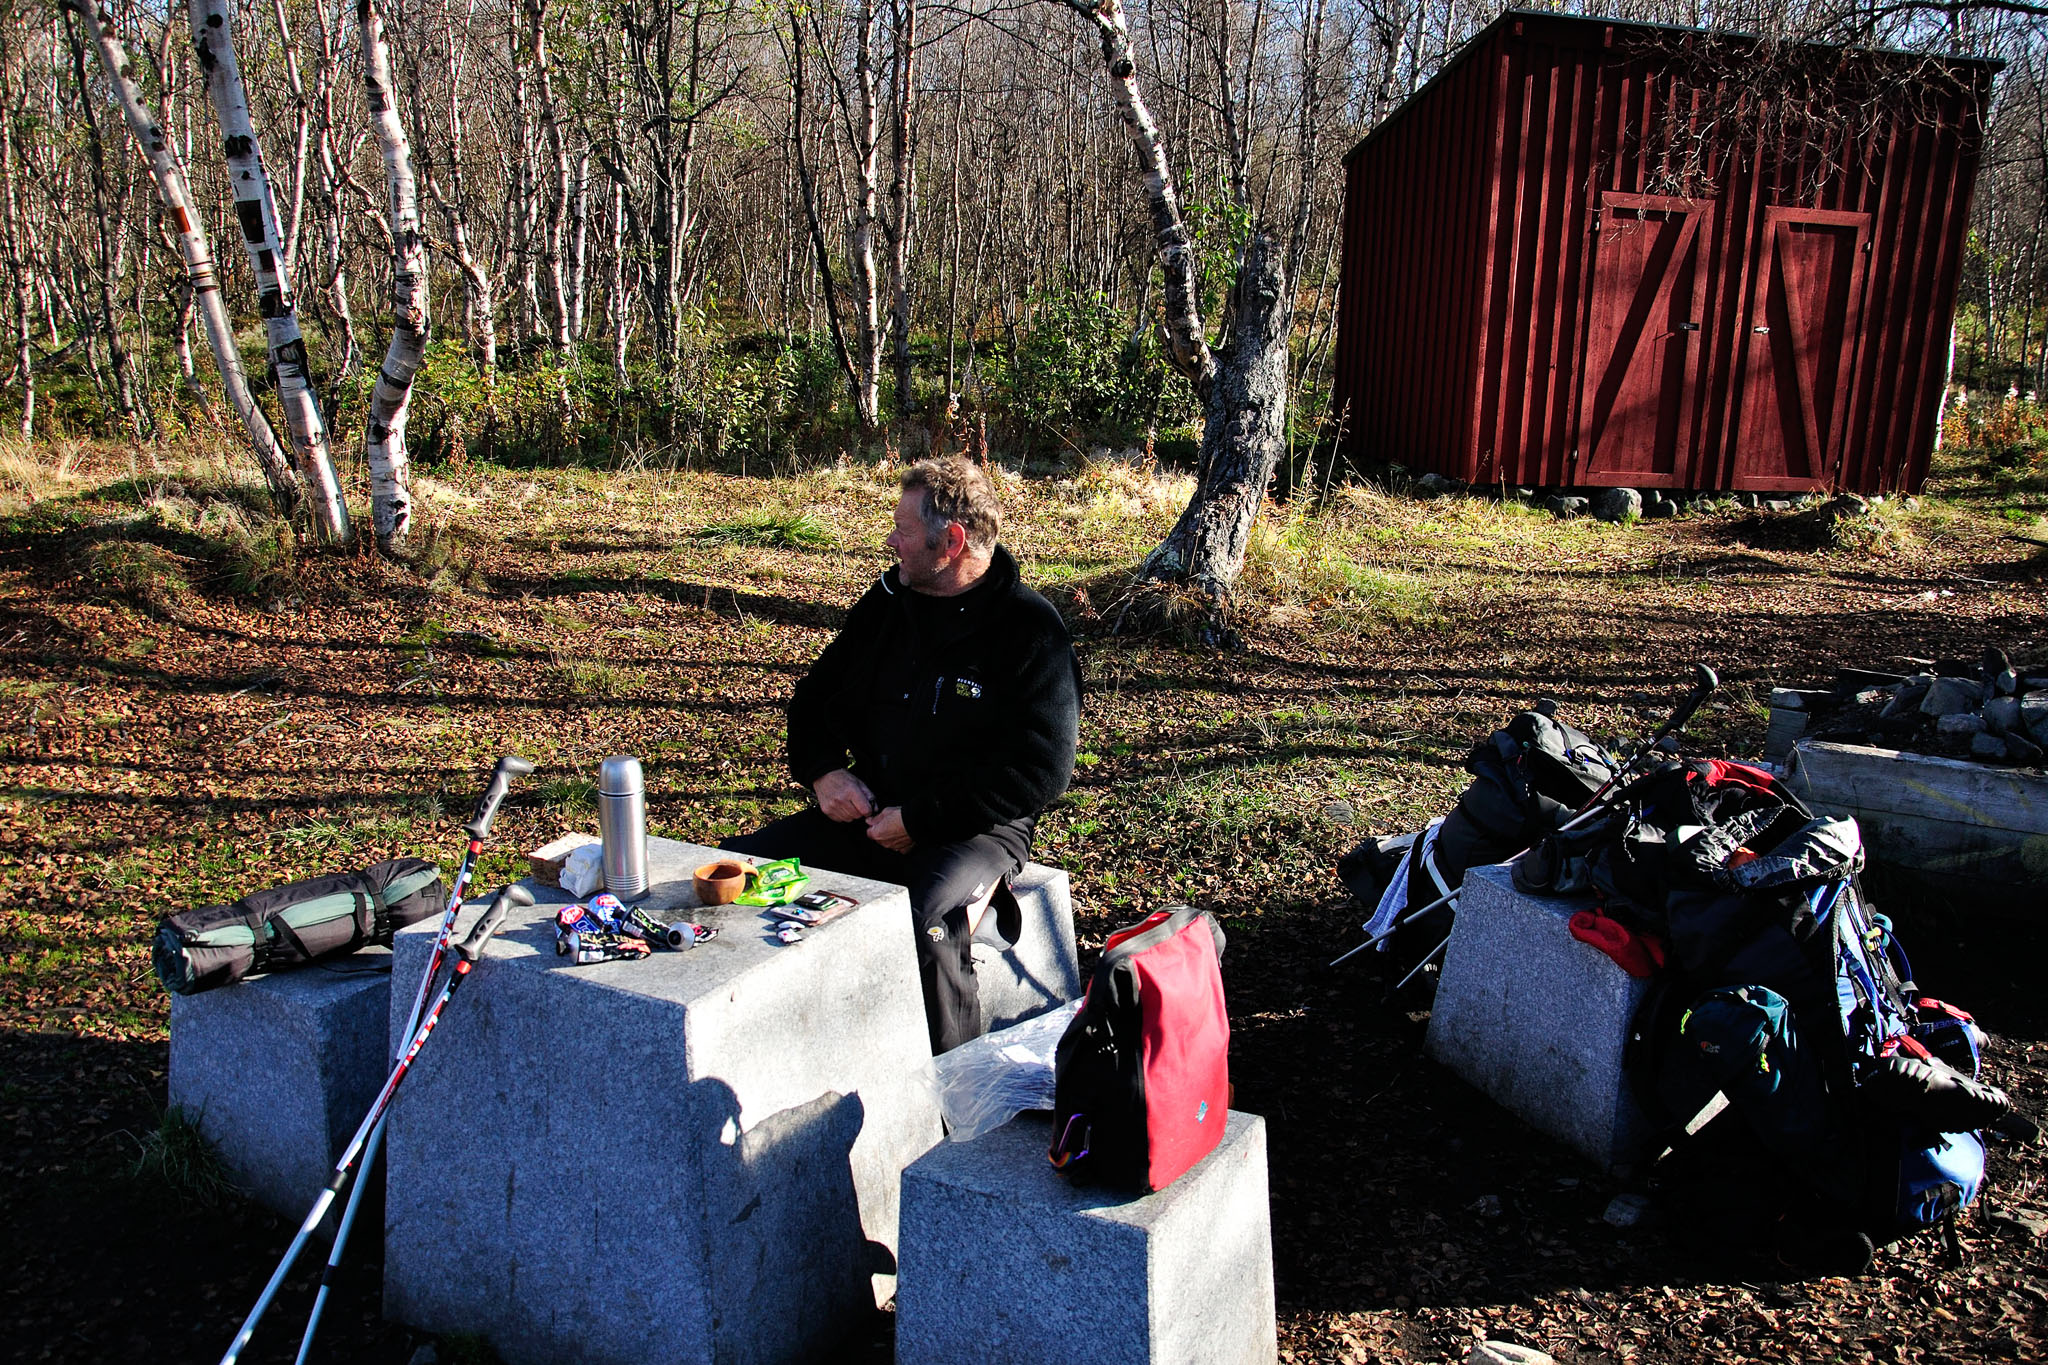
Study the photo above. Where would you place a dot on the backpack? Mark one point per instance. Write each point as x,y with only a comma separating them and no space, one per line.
1141,1077
1791,996
1528,777
291,926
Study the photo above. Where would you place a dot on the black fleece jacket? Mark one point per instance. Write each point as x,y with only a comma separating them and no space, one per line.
962,710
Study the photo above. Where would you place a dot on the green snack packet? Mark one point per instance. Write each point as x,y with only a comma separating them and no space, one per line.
776,883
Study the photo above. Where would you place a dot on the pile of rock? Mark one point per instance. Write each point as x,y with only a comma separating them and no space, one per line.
1614,504
1993,713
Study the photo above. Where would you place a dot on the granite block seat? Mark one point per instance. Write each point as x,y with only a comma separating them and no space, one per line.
277,1071
1004,1262
694,1157
1033,966
1537,1019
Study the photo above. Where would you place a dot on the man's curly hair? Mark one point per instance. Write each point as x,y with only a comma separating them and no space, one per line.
955,489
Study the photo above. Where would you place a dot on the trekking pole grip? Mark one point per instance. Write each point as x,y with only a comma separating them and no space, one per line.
509,767
472,947
1705,680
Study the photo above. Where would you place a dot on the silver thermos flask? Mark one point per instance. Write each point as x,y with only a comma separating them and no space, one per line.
622,824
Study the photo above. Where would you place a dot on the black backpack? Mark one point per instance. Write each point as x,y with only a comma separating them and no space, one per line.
1789,995
1527,779
290,926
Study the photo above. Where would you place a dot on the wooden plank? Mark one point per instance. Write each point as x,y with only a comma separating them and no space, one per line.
1935,815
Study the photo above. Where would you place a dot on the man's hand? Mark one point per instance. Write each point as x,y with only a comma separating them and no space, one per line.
885,827
843,797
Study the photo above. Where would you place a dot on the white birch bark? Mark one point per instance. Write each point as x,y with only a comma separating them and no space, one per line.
621,307
17,272
579,219
256,213
1185,342
864,132
411,325
557,199
334,215
198,254
479,293
902,196
106,219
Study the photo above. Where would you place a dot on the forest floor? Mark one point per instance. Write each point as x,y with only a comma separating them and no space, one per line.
189,710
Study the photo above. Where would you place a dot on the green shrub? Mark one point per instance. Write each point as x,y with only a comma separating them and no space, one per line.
1079,368
145,574
774,530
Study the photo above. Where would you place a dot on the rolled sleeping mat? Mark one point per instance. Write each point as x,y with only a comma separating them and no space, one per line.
294,925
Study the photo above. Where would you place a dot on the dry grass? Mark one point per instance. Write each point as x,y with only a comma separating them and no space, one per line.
1298,571
34,473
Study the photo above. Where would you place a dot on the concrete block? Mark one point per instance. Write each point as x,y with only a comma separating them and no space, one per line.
694,1157
1042,969
1537,1019
1007,1263
278,1070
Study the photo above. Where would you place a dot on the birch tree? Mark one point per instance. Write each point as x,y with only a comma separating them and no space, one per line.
855,116
391,399
197,251
19,279
479,288
1243,389
902,191
256,214
106,223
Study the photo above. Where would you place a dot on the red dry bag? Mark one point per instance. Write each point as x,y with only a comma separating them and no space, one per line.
1141,1087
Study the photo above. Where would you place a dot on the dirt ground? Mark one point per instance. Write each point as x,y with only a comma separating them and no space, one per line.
182,733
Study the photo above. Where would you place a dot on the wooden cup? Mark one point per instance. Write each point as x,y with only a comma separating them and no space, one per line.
720,883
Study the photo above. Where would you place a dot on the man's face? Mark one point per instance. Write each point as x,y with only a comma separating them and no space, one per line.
920,565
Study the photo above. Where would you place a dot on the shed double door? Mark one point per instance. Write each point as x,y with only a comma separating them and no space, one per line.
1805,315
1639,373
1643,368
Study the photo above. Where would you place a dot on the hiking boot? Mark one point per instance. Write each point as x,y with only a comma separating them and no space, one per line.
1823,1248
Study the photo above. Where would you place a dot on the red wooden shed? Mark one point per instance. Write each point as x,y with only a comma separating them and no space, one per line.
1596,253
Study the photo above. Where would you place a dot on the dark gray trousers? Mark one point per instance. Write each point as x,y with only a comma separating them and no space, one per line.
943,881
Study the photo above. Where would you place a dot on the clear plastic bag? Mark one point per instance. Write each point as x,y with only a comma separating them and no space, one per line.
985,1083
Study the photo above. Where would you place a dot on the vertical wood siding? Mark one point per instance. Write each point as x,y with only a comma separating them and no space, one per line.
1536,292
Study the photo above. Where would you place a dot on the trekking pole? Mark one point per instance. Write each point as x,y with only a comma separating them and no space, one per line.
478,829
1400,924
1420,965
468,951
1705,681
371,1150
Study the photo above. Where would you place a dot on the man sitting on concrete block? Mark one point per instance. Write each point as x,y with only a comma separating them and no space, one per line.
933,729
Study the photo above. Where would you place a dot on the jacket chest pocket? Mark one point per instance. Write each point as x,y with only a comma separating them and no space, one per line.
957,703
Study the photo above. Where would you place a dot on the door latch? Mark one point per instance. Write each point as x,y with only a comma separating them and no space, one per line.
1688,326
1761,331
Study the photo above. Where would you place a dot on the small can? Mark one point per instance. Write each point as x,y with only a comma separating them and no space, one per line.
683,934
609,911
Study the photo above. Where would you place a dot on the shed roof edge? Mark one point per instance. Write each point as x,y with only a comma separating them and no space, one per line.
1484,35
